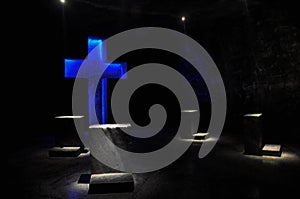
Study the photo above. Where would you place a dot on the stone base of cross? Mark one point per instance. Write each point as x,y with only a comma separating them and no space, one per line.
114,70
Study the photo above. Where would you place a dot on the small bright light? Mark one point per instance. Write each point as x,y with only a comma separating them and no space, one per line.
200,134
62,1
69,117
272,147
189,111
199,141
183,18
253,115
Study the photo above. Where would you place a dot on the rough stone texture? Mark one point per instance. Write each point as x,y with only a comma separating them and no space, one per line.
118,138
225,173
256,47
111,183
261,69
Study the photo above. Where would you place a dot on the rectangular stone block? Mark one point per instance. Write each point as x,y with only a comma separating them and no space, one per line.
192,127
65,132
111,183
253,136
272,150
64,151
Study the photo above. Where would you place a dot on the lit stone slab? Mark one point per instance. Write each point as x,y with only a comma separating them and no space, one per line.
111,183
189,111
109,126
211,139
272,150
69,117
253,115
200,136
64,151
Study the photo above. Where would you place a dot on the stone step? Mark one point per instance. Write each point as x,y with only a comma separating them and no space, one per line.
64,151
272,150
111,183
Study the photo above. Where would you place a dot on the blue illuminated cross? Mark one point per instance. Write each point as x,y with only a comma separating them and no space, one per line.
114,70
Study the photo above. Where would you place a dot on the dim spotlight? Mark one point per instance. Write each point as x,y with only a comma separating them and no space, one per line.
183,18
62,1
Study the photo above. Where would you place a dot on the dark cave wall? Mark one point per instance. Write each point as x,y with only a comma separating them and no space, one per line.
275,88
258,55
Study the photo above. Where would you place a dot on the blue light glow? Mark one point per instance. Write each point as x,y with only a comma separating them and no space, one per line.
72,67
114,70
93,43
104,100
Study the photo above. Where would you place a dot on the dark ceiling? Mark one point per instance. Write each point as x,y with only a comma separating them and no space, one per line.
105,17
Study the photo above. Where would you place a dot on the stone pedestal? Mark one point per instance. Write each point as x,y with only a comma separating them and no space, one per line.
103,178
192,127
253,134
117,138
67,140
66,134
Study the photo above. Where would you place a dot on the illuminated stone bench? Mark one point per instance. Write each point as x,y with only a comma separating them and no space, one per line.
272,150
111,183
